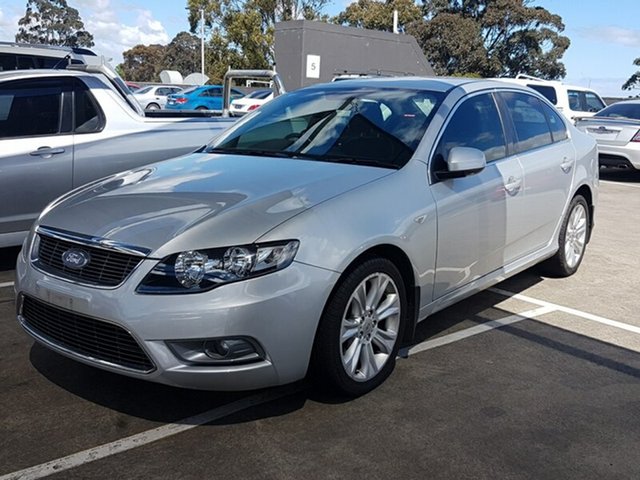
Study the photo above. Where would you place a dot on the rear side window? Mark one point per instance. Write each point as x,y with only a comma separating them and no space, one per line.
556,124
529,121
86,114
476,124
29,109
548,92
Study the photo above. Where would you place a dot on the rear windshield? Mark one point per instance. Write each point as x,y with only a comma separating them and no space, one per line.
621,110
361,125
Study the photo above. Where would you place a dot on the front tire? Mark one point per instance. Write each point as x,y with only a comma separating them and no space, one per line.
572,241
360,331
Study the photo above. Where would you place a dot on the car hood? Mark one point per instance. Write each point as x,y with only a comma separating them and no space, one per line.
202,200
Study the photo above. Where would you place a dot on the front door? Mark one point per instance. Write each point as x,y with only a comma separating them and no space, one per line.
36,158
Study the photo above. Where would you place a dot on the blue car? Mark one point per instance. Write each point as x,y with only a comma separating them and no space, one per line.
207,97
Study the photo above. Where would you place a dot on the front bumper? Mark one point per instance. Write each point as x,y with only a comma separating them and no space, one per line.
279,311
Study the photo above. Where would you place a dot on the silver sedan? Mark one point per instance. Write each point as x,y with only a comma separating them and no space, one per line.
312,236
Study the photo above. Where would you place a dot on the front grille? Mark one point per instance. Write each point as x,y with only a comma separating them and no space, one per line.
107,268
85,336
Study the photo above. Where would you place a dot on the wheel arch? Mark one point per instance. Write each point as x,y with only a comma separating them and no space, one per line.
587,194
400,259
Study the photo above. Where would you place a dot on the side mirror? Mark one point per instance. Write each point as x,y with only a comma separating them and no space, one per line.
463,161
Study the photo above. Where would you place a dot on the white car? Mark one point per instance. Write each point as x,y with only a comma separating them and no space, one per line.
250,102
617,131
572,101
154,97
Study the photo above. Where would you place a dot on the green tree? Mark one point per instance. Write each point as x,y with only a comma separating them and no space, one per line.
634,80
143,63
377,15
240,32
511,37
53,22
183,54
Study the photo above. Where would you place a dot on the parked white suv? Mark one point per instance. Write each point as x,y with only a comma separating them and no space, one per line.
24,56
571,100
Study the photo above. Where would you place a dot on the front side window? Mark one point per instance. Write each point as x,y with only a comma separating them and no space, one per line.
363,125
594,104
29,109
580,101
529,120
475,124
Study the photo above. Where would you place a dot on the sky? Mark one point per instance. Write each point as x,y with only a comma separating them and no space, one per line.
605,35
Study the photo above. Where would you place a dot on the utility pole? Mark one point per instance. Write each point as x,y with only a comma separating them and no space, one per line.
202,42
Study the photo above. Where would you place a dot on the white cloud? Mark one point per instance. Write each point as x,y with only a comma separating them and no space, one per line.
112,34
8,24
613,35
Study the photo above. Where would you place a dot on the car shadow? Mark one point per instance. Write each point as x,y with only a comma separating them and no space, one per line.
8,257
622,175
161,403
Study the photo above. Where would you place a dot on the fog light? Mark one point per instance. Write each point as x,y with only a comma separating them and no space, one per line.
228,349
218,351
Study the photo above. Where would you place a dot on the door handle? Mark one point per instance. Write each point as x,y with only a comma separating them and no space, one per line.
513,185
566,165
46,152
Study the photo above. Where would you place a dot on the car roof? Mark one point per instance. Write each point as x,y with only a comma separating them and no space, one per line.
16,74
438,84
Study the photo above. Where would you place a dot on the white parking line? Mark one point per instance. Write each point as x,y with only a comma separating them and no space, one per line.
149,436
476,330
620,183
571,311
6,284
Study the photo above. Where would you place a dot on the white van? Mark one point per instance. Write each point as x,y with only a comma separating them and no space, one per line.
25,56
571,100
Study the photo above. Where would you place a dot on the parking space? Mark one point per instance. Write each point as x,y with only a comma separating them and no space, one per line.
535,378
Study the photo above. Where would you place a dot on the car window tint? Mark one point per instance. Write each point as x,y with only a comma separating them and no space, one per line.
624,110
29,111
529,120
557,125
163,91
475,124
25,62
7,62
87,117
594,104
548,92
142,90
362,125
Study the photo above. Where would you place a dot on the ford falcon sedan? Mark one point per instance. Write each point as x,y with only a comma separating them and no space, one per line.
312,236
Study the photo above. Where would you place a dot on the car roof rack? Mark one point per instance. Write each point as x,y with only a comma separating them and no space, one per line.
530,77
373,72
63,48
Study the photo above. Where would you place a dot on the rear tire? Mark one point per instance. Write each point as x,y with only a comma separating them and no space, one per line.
153,106
572,241
361,328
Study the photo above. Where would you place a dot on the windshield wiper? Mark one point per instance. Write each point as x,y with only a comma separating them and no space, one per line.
260,153
370,162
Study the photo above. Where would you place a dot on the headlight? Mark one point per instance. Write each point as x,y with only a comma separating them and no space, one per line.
200,270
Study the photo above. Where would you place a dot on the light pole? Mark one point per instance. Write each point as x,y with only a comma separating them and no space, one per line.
202,42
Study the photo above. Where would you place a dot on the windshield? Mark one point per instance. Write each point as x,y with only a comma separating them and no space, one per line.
622,110
259,94
362,125
143,90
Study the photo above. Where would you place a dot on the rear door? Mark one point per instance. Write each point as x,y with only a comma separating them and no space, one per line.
478,215
548,160
36,150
